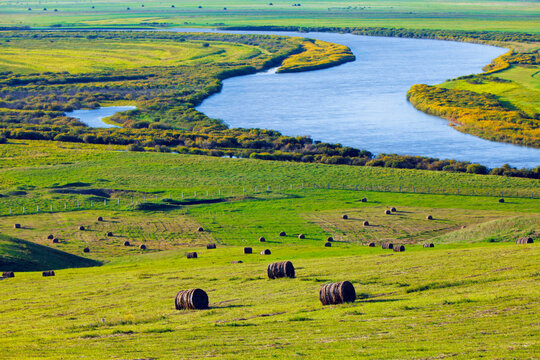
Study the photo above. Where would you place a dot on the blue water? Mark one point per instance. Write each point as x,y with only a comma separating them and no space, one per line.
94,117
363,104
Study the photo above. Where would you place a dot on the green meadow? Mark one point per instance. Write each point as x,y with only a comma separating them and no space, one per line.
473,293
475,15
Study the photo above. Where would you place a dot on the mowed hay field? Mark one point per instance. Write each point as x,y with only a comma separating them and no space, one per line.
473,294
472,15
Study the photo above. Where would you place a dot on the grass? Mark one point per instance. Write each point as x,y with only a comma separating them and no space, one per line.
468,295
95,55
475,15
521,91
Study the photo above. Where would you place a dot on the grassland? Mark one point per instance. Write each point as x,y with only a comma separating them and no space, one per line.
473,293
475,15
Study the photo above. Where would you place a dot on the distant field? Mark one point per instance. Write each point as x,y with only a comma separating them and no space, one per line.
88,55
476,15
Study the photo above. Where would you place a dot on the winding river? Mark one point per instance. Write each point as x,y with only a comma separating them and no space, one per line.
362,103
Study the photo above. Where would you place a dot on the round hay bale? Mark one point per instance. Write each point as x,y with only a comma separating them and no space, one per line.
501,200
366,223
265,252
100,218
211,246
248,250
371,244
86,250
387,245
142,247
126,243
50,237
191,255
48,273
280,269
55,241
301,236
463,227
16,226
393,209
262,239
399,248
328,244
237,262
525,240
109,234
429,245
345,217
81,228
329,239
8,274
363,200
337,293
193,299
282,233
387,212
200,229
429,217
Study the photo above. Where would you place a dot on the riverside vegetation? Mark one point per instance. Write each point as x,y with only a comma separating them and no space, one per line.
166,84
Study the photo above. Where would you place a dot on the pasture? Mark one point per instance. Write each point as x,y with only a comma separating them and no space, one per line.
476,15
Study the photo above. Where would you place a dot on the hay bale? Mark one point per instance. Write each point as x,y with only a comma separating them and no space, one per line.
248,250
55,241
48,273
200,229
525,240
265,252
363,200
345,217
387,245
16,226
191,255
399,248
126,243
429,217
429,245
301,236
211,246
387,212
329,239
50,237
366,223
142,247
262,239
337,293
8,274
371,244
81,228
237,262
86,250
328,244
282,233
280,269
109,234
193,299
100,218
501,200
393,209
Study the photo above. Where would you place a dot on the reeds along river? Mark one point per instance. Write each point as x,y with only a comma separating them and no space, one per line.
363,103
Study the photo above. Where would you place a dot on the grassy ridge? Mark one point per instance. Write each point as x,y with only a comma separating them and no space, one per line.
317,55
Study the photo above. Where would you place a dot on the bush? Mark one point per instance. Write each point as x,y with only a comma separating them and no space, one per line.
135,147
476,169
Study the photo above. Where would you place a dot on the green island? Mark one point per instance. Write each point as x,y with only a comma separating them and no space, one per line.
117,213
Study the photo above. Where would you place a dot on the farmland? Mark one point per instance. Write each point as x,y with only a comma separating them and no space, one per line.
83,201
475,276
